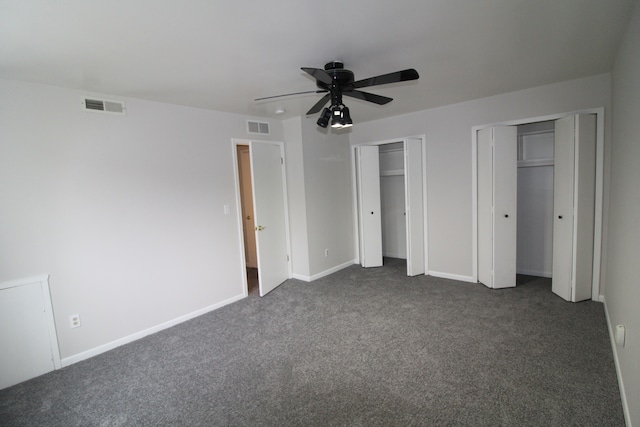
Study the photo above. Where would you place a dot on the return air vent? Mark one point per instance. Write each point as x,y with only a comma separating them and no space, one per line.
261,128
103,106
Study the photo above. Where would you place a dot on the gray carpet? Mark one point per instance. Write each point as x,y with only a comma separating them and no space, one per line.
357,348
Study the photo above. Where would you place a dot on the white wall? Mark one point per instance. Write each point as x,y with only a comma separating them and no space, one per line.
448,137
125,213
327,179
622,291
297,198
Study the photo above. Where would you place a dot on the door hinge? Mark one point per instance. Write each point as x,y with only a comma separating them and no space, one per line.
287,257
281,161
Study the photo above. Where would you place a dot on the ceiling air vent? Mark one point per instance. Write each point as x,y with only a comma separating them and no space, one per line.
261,128
103,106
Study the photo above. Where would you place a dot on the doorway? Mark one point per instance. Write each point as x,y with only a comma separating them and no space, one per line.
261,200
248,224
390,204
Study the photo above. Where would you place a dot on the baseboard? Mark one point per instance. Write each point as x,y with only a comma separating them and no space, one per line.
534,273
301,277
394,255
324,273
451,276
623,394
133,337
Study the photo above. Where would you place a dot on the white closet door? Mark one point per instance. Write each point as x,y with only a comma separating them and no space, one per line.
574,202
563,174
584,215
485,206
368,166
267,174
505,203
497,206
414,206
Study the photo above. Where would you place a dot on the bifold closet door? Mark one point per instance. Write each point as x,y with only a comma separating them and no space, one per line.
497,182
414,206
370,220
573,206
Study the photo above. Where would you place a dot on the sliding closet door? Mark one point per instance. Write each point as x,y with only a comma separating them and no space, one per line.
497,206
370,220
414,206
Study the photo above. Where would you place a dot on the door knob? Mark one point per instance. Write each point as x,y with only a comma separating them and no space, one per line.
248,217
506,215
260,228
559,216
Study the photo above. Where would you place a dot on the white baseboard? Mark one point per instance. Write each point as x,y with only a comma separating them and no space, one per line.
451,276
152,330
394,255
623,394
324,273
534,273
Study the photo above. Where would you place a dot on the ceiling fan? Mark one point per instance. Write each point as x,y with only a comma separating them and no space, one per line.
336,81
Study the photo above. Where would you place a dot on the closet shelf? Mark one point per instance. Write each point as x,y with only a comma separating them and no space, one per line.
392,172
534,163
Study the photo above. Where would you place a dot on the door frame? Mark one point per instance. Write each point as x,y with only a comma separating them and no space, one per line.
235,142
599,198
354,192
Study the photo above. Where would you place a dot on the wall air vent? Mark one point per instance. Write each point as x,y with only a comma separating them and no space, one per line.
261,128
95,105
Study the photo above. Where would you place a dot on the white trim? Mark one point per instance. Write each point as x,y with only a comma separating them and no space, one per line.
26,281
326,272
141,334
597,232
48,308
354,192
457,277
623,394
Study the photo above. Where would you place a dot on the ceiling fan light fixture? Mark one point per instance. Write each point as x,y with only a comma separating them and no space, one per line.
341,117
346,118
323,120
337,121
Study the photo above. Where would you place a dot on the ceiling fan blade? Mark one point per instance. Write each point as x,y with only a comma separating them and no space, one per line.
318,74
366,96
398,76
316,108
290,94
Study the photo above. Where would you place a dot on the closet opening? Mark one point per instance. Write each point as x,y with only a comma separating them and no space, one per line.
534,247
390,188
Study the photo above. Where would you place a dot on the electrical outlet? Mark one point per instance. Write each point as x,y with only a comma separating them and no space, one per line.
326,252
74,321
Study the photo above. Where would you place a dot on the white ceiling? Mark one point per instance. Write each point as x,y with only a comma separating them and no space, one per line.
221,55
